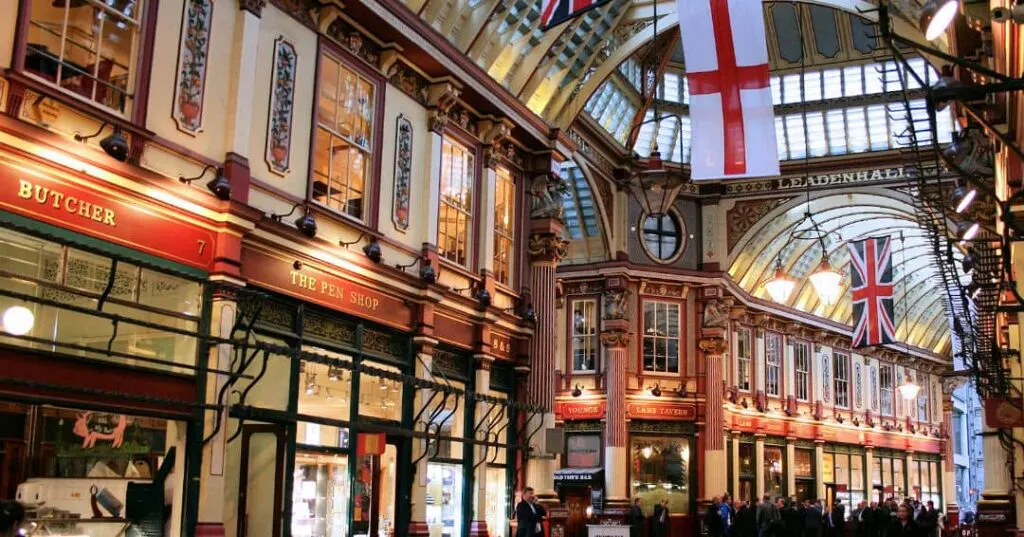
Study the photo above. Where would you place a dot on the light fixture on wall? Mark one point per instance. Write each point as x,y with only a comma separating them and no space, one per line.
219,185
577,390
963,197
656,390
647,451
909,389
936,16
18,320
114,144
305,223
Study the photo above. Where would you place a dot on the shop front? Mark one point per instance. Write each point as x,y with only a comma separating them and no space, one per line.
104,314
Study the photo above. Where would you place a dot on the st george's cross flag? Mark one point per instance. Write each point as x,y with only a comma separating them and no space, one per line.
872,292
731,114
555,12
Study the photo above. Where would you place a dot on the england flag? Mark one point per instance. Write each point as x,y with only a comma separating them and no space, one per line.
731,110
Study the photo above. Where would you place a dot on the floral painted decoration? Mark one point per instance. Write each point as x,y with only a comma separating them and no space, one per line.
193,57
282,101
403,173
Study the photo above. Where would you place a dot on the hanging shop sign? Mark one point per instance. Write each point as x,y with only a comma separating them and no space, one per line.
580,410
1003,413
660,411
321,287
65,204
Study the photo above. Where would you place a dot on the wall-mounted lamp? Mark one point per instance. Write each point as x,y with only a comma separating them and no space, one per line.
219,185
305,223
523,309
681,390
427,273
577,390
656,390
479,293
114,144
372,250
839,418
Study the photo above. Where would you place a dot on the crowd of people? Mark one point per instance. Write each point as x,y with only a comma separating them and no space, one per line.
786,517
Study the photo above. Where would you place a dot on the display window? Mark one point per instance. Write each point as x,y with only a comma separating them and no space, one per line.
748,480
661,470
774,471
497,511
444,499
803,473
887,475
374,493
321,494
380,397
843,473
925,480
76,469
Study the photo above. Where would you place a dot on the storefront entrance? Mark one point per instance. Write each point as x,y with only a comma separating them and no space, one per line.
374,493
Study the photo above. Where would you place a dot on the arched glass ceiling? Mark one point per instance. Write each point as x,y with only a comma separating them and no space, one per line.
920,300
582,222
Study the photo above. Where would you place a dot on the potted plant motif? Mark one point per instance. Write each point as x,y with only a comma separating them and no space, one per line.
194,61
281,110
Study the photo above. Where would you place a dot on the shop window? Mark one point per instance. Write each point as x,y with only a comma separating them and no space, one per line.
86,48
802,366
743,359
75,453
504,225
773,364
748,486
845,471
841,379
444,499
375,494
583,451
584,336
58,274
455,217
343,146
924,481
451,418
774,471
380,397
803,472
660,470
497,512
325,390
661,337
320,497
885,374
887,479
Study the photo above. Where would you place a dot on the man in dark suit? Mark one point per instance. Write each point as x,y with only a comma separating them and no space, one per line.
528,515
837,519
636,519
743,523
713,522
812,519
661,515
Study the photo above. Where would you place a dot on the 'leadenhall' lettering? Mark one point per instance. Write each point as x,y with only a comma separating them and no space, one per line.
62,202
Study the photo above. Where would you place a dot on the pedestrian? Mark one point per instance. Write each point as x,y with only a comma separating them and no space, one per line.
766,516
929,520
746,525
792,519
661,519
636,519
725,511
904,525
713,518
812,519
528,518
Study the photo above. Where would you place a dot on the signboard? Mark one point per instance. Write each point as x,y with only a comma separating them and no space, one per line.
607,530
128,222
316,285
580,410
660,411
501,345
1004,413
583,451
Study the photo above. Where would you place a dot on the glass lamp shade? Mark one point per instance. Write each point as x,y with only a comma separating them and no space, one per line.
780,286
18,320
936,16
963,198
826,282
655,189
908,389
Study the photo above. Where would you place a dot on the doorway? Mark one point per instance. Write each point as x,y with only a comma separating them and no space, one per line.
261,469
374,493
577,500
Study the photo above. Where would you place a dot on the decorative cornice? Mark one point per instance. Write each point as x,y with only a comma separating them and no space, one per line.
616,339
253,6
712,345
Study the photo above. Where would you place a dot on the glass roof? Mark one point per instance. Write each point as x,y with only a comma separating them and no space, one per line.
848,217
581,217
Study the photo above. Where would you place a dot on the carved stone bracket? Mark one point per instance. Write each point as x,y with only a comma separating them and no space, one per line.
615,303
712,345
547,247
441,97
618,339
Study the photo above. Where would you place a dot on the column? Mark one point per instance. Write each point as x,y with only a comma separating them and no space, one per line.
869,466
239,124
735,447
441,97
546,247
713,348
478,525
424,348
789,467
952,509
819,467
996,509
910,480
759,463
615,339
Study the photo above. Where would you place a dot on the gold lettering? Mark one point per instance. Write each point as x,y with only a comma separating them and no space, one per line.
57,197
97,213
41,194
60,201
71,204
84,208
24,189
108,219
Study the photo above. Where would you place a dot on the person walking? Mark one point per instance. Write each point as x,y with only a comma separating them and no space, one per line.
713,523
812,519
904,525
746,525
725,511
792,520
636,519
768,517
528,518
661,519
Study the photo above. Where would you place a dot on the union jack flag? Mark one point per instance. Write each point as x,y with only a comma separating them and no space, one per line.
872,292
555,12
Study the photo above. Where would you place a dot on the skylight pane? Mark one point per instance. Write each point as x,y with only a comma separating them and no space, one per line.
666,132
791,89
686,90
853,81
897,125
795,135
780,138
671,91
872,80
643,140
684,138
812,86
892,77
836,124
776,90
816,134
922,127
833,83
944,125
878,127
856,130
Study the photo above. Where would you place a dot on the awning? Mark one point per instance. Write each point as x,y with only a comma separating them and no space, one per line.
579,477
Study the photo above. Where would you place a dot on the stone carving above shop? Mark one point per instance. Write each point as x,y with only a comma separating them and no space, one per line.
616,302
193,58
353,41
548,190
716,314
282,102
746,214
664,289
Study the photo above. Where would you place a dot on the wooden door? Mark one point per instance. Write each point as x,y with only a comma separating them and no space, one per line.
261,481
576,502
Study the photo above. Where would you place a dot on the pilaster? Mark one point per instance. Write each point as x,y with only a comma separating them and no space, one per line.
615,339
424,349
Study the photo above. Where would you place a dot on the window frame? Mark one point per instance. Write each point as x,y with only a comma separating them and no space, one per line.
749,359
681,338
514,177
472,146
135,115
923,398
845,379
807,372
680,237
371,192
571,339
777,366
891,368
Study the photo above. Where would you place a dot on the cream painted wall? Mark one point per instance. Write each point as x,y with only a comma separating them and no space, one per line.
274,24
397,103
8,25
219,72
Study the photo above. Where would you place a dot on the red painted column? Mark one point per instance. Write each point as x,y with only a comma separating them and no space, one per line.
615,340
